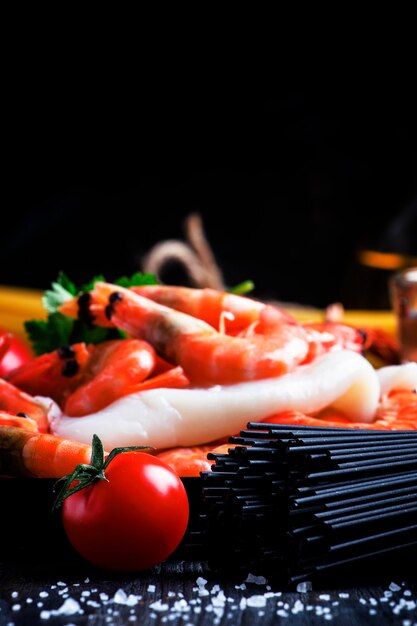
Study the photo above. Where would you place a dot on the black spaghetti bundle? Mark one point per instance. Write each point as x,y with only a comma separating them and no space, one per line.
297,502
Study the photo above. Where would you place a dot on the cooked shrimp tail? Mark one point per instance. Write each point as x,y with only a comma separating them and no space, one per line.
27,453
15,401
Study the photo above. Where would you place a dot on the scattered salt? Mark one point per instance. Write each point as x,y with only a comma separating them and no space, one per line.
394,587
43,594
343,594
220,599
325,597
304,587
15,594
120,597
16,607
181,606
70,607
151,588
256,601
257,580
61,584
298,607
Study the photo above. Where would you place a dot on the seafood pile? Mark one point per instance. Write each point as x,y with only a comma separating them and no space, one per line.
193,367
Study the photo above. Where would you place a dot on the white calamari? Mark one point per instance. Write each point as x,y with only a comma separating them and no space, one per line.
165,418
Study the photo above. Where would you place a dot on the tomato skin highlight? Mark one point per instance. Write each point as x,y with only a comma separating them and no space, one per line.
132,521
18,352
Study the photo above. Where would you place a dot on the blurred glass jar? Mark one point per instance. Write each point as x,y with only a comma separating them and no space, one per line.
403,292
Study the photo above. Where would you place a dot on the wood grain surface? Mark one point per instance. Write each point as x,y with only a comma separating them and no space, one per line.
34,592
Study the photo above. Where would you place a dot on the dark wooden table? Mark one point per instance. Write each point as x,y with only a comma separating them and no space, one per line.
58,590
43,581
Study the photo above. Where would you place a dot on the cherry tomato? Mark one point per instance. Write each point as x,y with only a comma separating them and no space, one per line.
131,521
15,352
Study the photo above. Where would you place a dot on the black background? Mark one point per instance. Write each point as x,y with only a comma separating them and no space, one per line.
293,174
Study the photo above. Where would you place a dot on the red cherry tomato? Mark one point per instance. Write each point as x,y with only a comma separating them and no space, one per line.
132,521
14,352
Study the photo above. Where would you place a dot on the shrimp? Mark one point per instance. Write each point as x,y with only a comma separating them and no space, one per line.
85,378
14,400
39,455
189,462
167,418
242,316
222,310
55,374
111,370
207,356
19,421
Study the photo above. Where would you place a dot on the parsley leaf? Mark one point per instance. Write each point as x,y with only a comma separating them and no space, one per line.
50,334
58,329
63,289
137,280
242,288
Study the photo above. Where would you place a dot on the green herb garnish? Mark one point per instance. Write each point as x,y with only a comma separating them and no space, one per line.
245,287
58,329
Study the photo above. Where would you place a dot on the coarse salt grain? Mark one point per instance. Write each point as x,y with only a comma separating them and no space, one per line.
70,607
394,587
120,596
151,588
298,607
304,587
257,580
256,601
181,606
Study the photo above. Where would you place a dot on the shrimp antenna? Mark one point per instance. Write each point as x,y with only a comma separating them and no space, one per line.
195,255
